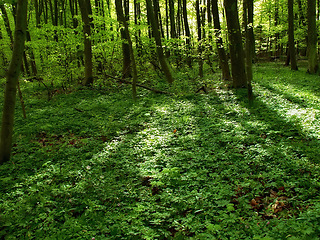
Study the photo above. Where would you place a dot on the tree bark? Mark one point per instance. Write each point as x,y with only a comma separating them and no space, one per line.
156,33
199,28
248,19
126,61
12,81
173,31
235,44
312,37
122,19
187,31
292,49
223,61
88,78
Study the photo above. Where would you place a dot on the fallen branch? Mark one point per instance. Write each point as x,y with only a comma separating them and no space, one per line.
203,88
138,85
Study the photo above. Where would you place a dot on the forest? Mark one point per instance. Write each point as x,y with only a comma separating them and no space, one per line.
159,119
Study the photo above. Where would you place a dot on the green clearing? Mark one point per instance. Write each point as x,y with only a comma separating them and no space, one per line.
94,165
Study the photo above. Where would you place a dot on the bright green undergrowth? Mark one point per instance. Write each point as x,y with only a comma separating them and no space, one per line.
90,164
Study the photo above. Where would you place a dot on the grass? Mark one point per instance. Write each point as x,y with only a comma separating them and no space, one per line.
92,165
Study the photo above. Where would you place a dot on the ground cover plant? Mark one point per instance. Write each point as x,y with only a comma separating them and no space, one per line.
93,165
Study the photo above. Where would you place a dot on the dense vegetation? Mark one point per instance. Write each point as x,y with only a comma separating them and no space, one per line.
159,119
89,164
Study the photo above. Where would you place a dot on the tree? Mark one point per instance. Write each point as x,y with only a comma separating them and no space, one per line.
126,67
123,21
249,49
12,81
199,28
88,77
156,34
292,49
223,61
187,31
312,37
235,44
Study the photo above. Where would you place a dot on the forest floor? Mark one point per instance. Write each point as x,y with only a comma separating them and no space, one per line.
94,165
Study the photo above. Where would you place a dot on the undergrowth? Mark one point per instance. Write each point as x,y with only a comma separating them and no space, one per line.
92,165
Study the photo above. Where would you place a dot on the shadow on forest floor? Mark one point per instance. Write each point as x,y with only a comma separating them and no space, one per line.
90,165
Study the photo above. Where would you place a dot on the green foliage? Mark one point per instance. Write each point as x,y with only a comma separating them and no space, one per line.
89,164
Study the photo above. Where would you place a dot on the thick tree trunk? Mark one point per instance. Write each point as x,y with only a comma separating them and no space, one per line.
223,60
235,45
312,37
292,49
156,33
88,78
12,81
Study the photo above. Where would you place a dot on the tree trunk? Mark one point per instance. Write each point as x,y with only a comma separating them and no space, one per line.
187,32
88,78
157,16
11,83
199,28
123,21
312,37
248,19
179,19
292,50
235,44
156,33
6,22
223,60
126,62
173,31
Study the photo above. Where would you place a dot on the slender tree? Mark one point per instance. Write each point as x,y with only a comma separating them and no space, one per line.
292,49
187,31
312,37
12,81
156,34
126,61
199,28
223,60
249,49
173,31
88,77
123,21
235,44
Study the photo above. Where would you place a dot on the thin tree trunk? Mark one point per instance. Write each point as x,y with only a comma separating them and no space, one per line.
187,31
11,83
126,61
156,33
123,21
292,49
157,16
223,60
88,78
173,31
235,44
312,37
248,19
199,28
